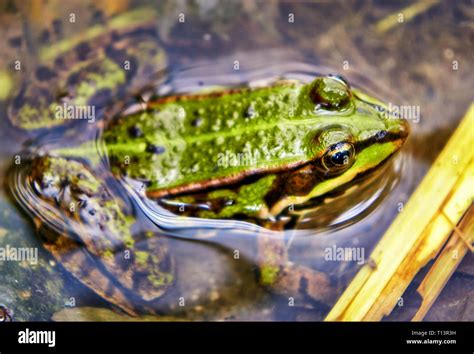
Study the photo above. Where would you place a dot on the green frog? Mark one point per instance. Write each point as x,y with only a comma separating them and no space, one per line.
256,155
226,156
252,153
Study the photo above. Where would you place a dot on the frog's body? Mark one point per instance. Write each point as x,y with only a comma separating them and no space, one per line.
251,153
243,153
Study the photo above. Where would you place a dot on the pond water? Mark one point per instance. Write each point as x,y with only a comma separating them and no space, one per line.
197,46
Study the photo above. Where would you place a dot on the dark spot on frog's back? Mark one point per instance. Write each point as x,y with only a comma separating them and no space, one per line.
155,149
101,98
135,131
303,288
82,51
197,122
43,73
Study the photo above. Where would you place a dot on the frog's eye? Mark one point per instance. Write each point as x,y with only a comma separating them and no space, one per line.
338,157
330,92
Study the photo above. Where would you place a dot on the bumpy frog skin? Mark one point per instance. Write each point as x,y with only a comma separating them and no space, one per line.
298,142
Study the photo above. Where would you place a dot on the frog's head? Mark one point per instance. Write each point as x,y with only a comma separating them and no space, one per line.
351,135
354,130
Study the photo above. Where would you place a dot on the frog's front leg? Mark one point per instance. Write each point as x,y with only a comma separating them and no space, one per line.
281,276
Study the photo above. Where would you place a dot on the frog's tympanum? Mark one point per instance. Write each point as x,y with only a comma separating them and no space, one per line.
247,154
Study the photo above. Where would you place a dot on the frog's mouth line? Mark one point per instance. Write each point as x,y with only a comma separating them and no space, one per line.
382,137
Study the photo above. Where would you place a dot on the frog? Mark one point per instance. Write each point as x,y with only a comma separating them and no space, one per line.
308,140
299,142
303,142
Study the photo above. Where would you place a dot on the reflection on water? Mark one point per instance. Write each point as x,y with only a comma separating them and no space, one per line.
214,282
325,217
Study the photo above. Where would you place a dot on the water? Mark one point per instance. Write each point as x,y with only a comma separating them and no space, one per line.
325,221
213,282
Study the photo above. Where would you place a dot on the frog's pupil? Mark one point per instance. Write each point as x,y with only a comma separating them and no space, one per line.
340,157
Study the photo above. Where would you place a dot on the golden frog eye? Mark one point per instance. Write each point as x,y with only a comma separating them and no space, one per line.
338,158
330,92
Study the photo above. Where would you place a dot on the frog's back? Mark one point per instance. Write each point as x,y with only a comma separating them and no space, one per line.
181,143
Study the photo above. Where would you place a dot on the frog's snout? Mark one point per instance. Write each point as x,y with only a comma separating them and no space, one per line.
400,127
404,128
